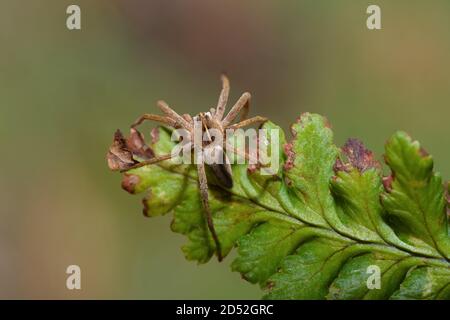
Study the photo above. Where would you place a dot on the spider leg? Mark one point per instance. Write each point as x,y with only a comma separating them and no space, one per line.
173,115
241,153
154,117
203,184
248,122
188,118
223,98
243,103
150,161
246,155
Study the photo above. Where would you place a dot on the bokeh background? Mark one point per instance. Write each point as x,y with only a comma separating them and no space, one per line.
63,93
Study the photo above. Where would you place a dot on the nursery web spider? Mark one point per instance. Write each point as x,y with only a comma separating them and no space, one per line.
214,119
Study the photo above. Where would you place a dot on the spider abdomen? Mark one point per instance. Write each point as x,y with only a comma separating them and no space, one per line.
223,174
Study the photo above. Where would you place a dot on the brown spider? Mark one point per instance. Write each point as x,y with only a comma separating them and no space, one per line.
214,119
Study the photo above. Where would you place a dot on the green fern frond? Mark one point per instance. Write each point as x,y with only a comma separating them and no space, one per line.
313,229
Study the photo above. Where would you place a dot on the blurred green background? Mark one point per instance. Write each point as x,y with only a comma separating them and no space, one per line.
63,93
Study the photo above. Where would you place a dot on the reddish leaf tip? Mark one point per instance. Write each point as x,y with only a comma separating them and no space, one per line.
146,208
129,182
387,183
357,157
290,154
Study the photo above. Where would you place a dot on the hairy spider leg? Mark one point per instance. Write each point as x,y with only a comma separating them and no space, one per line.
257,119
154,117
173,115
243,103
223,98
203,185
149,162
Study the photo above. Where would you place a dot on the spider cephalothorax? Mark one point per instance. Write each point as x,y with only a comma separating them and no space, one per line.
204,124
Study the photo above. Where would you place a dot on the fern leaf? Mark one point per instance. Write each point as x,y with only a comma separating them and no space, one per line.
313,229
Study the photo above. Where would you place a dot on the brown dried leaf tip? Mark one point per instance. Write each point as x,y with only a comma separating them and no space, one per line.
290,154
119,157
122,153
136,144
357,156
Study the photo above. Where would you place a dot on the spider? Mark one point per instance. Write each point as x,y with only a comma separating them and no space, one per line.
214,119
